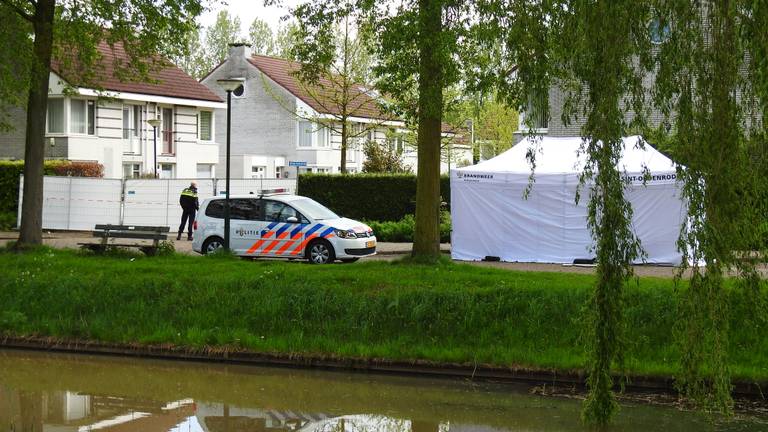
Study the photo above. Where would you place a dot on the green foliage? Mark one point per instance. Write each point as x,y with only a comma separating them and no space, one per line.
383,158
14,82
166,248
286,38
446,312
11,170
378,197
402,231
7,220
600,69
224,31
261,38
334,64
713,91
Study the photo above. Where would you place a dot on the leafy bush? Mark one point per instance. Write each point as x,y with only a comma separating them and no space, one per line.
7,220
402,231
79,169
378,197
11,170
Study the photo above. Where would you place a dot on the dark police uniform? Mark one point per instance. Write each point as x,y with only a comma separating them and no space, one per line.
189,205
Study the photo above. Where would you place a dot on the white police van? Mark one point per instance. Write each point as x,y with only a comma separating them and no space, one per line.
280,225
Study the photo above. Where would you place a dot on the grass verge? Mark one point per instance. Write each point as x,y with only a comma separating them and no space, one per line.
445,312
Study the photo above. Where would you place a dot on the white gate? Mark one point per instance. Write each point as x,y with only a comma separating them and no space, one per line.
156,202
79,203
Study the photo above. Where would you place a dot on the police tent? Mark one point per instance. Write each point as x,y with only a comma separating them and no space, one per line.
493,220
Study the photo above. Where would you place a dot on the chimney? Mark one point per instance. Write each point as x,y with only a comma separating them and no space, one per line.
237,66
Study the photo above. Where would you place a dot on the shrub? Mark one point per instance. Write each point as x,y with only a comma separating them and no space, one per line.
7,220
79,169
11,170
377,197
402,231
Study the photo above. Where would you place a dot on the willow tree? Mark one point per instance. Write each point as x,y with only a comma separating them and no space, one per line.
705,71
712,86
600,69
71,31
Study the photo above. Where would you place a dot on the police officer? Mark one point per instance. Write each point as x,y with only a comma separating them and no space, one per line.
189,205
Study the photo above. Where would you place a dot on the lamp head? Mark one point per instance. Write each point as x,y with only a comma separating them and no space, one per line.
230,84
154,122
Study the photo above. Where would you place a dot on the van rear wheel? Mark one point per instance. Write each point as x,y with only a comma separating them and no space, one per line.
212,244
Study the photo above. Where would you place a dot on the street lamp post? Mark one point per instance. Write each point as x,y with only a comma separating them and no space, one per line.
228,85
155,123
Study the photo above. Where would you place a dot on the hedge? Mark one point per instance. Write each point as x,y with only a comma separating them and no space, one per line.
402,231
11,170
373,197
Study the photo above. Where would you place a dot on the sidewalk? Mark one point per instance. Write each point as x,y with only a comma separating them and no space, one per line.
385,251
70,239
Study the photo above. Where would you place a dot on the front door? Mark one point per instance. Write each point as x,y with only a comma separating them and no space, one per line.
245,224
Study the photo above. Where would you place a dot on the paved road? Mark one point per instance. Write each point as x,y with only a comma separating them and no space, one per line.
386,251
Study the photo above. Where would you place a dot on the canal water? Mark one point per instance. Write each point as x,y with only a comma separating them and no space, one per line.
62,393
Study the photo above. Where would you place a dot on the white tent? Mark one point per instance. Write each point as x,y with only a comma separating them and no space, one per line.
491,218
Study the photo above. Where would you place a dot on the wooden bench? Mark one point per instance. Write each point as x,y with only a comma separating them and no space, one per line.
106,232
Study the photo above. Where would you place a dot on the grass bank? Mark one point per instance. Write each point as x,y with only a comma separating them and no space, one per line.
445,313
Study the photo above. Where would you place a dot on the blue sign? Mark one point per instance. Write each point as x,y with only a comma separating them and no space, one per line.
297,163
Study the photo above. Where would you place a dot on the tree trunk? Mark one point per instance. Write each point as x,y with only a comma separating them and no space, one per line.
31,230
344,134
426,243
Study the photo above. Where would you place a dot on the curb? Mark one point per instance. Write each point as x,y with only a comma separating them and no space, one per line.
479,372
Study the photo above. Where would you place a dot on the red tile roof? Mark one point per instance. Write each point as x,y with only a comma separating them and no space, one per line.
319,97
169,81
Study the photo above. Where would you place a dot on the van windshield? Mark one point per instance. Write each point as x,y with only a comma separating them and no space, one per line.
313,209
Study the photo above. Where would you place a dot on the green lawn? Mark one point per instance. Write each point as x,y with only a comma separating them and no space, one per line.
448,312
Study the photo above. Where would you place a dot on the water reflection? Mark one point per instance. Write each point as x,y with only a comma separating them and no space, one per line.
47,392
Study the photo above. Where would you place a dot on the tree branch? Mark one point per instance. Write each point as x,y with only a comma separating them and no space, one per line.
18,9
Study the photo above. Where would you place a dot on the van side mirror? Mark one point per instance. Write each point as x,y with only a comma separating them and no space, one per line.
292,219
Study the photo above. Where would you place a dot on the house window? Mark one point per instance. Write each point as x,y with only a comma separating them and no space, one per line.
537,110
322,137
82,114
167,130
322,170
91,116
279,172
166,171
56,115
258,171
206,121
132,129
131,170
305,134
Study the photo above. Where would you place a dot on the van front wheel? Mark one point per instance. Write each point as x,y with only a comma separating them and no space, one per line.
320,252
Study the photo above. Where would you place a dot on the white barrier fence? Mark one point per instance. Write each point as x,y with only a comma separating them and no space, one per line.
79,203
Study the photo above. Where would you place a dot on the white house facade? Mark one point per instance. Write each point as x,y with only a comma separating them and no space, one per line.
109,126
275,122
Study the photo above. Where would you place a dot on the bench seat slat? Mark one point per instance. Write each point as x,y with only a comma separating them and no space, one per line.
105,227
133,235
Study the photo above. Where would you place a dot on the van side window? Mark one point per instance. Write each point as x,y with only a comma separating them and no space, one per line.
239,209
215,209
275,211
245,209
